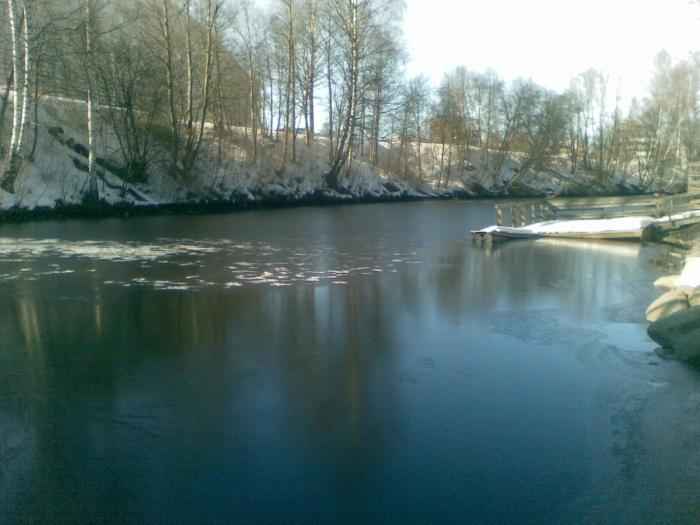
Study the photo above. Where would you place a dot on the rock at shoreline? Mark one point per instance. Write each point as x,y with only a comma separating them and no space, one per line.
666,283
694,298
679,334
673,301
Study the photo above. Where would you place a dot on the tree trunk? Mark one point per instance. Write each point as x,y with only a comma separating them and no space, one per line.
190,71
289,118
212,14
93,193
26,94
170,83
5,97
292,76
272,89
376,118
36,113
345,144
16,108
329,77
12,170
311,73
252,88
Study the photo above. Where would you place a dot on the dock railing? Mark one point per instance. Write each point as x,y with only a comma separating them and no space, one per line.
522,213
694,178
609,207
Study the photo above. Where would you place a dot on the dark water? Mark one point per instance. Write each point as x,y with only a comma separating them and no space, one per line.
358,364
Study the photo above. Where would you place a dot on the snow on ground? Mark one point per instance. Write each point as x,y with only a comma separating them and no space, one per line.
58,173
678,216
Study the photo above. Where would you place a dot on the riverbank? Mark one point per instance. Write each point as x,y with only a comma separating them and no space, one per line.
238,203
675,315
54,182
243,202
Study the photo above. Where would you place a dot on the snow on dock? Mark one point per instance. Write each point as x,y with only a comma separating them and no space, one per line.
615,228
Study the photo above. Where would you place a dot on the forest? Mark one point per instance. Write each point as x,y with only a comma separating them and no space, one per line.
194,90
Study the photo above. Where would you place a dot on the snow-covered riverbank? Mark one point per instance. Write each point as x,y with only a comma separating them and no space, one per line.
54,180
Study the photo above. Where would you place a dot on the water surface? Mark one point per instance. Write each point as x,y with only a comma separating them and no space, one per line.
356,364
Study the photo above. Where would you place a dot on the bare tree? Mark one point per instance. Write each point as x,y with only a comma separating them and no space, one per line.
21,42
90,67
309,65
249,45
358,24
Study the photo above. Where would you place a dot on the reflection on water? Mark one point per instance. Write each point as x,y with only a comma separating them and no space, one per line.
415,378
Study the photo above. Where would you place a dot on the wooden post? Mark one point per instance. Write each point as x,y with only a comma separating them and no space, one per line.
513,219
694,177
499,216
547,212
543,214
658,205
533,213
523,216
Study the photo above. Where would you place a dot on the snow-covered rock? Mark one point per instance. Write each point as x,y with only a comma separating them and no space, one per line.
694,298
671,302
666,282
675,315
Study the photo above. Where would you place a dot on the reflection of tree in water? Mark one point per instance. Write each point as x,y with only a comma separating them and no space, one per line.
335,374
16,379
109,384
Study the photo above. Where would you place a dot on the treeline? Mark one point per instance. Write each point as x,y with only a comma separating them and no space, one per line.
578,129
181,83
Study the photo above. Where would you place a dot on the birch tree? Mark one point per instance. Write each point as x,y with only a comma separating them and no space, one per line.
358,24
21,46
90,67
249,44
308,72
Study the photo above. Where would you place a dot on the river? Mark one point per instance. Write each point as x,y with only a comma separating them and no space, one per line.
348,364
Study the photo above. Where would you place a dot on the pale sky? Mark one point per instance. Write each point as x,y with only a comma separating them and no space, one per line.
550,41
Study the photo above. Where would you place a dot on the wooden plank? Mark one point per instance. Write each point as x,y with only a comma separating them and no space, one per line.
587,216
636,205
694,177
694,184
601,201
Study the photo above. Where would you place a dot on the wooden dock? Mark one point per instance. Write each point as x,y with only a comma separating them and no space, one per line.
667,211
